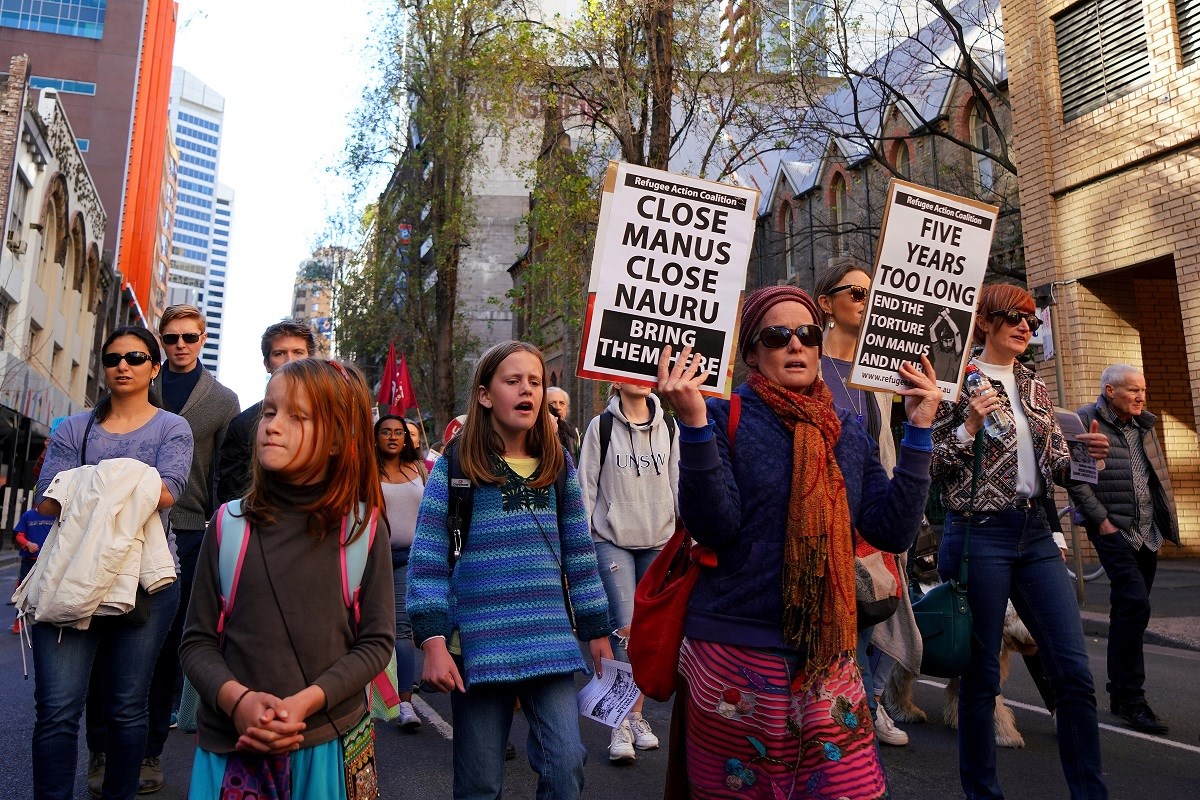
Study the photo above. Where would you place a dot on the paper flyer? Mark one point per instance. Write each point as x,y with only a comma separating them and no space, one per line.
608,698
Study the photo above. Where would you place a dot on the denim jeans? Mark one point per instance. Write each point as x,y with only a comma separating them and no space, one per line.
62,659
167,683
406,653
482,718
1012,554
620,571
864,657
1131,577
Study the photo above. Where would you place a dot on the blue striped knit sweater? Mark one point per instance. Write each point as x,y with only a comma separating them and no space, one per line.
504,596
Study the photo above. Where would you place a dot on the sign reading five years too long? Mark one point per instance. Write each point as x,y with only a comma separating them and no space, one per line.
932,256
668,268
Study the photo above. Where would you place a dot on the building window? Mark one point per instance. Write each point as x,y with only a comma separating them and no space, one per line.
203,123
900,160
789,240
983,138
837,213
62,85
1102,53
84,18
1187,15
6,305
16,208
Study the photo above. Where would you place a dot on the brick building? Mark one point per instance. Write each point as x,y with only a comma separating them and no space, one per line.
1106,121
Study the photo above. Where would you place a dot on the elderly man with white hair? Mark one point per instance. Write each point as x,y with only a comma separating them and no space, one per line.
560,406
1128,512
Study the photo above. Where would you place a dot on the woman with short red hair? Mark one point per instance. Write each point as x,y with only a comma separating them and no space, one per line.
1011,551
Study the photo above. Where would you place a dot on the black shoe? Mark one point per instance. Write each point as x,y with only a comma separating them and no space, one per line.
510,752
1142,718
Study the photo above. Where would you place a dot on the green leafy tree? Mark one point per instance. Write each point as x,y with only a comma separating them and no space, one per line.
451,75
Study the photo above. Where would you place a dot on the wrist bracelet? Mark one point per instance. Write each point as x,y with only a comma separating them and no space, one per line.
238,702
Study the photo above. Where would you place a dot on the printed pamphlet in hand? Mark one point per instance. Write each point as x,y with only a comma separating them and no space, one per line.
608,698
1083,466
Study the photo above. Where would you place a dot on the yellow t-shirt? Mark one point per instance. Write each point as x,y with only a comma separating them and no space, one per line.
524,467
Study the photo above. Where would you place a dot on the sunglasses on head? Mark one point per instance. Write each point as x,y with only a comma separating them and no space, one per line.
857,293
1014,316
776,336
173,338
134,358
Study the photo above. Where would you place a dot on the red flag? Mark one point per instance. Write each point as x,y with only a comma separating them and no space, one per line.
404,397
387,384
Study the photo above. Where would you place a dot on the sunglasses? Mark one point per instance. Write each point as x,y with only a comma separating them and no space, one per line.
857,293
134,358
1013,317
173,338
776,336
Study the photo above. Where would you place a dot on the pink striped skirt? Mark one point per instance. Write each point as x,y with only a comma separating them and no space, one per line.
757,727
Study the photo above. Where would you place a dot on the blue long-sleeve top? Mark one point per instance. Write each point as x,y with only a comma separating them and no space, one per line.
504,596
737,503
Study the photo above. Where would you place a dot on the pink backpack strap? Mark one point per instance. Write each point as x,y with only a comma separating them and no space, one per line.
353,557
233,536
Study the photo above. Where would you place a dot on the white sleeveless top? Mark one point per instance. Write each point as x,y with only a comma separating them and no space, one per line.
402,501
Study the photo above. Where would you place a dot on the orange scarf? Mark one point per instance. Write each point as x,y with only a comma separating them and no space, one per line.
819,611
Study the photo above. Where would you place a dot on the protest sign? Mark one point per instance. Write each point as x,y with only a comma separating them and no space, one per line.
669,267
932,256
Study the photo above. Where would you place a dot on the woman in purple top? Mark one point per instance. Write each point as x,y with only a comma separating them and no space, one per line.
125,424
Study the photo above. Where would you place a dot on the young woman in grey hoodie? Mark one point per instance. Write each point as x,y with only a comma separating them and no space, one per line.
629,493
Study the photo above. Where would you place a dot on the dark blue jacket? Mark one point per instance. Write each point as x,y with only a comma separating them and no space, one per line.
738,507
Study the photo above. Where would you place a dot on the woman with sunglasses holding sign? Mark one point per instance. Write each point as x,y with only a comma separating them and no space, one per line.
771,696
1011,550
126,423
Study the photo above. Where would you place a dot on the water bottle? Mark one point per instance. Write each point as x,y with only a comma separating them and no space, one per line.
996,424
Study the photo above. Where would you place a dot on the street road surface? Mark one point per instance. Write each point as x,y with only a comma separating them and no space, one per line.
417,766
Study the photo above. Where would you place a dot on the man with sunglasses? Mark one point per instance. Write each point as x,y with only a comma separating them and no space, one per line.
189,390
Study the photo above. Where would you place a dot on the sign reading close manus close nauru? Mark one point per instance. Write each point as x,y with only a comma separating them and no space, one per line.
669,267
932,256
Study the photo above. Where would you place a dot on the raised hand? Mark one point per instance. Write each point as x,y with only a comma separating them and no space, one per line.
680,386
922,397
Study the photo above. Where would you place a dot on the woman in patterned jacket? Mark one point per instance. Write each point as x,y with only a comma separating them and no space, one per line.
1011,551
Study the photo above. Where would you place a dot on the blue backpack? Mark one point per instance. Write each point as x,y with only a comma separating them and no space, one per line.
233,537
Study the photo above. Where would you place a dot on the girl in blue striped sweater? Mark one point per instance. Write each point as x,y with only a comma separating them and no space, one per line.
496,625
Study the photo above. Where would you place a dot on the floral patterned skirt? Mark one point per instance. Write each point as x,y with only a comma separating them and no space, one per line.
758,727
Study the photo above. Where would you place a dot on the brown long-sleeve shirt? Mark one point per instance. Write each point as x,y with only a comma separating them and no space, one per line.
288,628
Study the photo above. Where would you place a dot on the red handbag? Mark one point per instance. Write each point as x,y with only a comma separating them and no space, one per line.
661,601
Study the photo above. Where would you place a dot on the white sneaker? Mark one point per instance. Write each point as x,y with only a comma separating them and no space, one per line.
643,737
408,719
886,730
620,747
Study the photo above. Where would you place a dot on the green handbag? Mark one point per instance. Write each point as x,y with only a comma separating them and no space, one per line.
943,614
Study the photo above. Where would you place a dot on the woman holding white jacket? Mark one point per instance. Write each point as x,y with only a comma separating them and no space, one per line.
628,470
126,423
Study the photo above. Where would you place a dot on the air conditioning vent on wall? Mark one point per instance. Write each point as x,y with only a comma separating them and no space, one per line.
15,244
